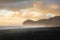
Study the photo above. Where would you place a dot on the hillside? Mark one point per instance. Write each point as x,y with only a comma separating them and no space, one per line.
55,21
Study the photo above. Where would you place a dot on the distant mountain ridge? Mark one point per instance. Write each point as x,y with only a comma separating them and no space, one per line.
55,21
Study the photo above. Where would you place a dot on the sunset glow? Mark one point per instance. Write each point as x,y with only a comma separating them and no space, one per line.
8,17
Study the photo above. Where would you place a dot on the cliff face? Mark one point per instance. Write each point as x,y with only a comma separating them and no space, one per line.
55,21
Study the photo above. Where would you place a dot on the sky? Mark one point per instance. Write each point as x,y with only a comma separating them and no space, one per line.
16,4
48,5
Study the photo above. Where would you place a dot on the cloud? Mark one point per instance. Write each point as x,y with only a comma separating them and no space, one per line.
10,1
23,3
16,5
